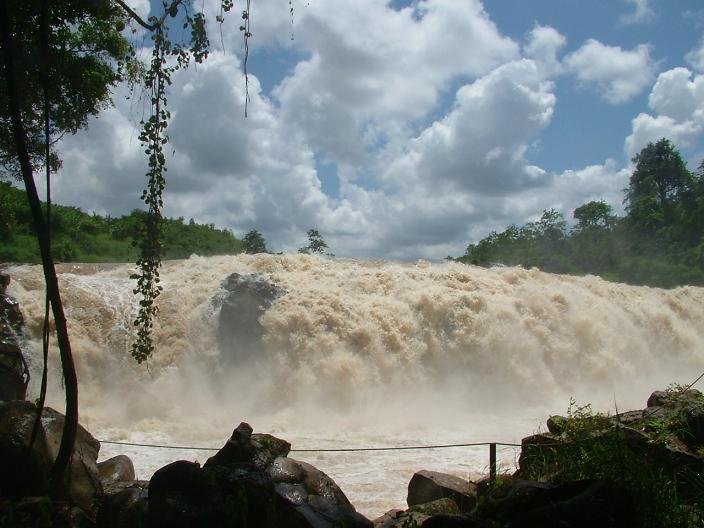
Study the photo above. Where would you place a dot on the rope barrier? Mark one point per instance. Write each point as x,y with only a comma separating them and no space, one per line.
320,450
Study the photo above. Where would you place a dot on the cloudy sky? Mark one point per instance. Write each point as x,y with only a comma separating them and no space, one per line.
407,129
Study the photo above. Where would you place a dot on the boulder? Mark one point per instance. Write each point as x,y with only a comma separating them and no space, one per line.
249,482
238,448
33,512
456,521
116,469
314,494
426,486
25,472
14,373
124,505
418,515
584,503
10,312
4,282
245,299
386,519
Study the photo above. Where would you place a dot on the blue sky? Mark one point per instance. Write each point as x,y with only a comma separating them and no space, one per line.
407,129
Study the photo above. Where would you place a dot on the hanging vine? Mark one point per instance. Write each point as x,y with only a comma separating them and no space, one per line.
167,57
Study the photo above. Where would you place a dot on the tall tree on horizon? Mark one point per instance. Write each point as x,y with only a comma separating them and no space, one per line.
657,186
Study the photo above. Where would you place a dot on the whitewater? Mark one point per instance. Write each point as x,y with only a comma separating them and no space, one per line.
362,354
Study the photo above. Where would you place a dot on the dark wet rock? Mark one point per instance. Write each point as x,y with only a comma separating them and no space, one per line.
294,493
583,503
10,312
385,520
116,469
238,448
4,282
427,486
418,514
35,512
25,472
14,374
268,448
124,505
249,482
245,299
180,495
285,470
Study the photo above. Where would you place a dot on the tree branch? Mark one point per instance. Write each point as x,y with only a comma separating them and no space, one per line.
140,20
135,16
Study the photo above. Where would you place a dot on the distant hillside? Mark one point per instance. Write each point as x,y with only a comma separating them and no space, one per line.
81,237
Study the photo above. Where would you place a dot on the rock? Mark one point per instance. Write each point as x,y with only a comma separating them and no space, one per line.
10,312
323,496
676,399
296,494
426,486
27,512
285,470
455,521
14,373
116,469
25,472
180,495
538,453
418,515
238,449
249,482
318,483
584,503
385,520
245,299
556,424
84,485
124,505
444,505
4,282
268,448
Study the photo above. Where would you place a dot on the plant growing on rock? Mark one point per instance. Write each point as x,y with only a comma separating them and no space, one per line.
663,482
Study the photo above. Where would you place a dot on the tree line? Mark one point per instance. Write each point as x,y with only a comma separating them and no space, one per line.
81,237
659,241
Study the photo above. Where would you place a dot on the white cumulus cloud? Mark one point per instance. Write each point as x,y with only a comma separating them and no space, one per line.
695,57
642,12
618,74
677,99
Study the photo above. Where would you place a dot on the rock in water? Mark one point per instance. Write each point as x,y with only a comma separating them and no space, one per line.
245,299
14,374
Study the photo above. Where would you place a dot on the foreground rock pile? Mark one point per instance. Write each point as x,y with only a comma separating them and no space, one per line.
251,481
586,471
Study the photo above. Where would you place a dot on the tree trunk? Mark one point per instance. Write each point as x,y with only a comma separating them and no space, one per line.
59,469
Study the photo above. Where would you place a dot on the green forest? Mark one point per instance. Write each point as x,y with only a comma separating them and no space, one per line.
81,237
659,241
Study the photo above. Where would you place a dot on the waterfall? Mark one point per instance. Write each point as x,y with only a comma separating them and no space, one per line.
363,353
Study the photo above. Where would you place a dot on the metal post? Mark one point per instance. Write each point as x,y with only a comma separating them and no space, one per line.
492,463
